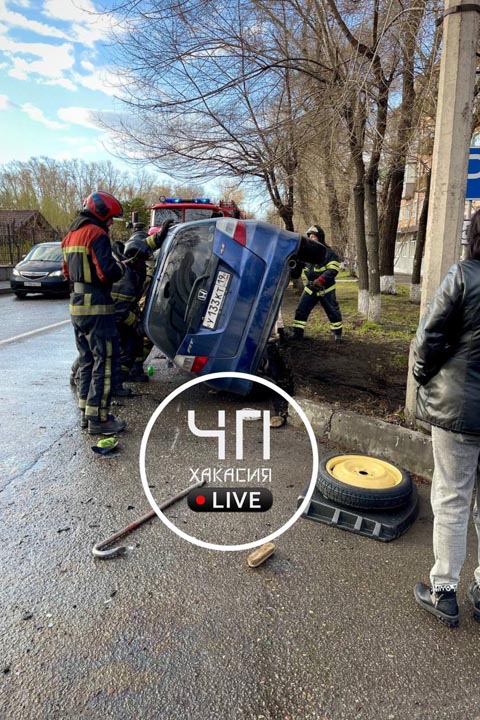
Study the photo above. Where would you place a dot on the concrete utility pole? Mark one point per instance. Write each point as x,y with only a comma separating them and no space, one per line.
450,154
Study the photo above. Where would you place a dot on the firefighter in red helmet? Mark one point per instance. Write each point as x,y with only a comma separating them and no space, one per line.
91,268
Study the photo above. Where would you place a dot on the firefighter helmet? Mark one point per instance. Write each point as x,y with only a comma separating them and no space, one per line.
103,206
136,248
316,230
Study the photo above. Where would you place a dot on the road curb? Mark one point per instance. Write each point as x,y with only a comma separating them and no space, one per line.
410,449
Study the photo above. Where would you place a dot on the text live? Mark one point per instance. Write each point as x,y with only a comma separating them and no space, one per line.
230,500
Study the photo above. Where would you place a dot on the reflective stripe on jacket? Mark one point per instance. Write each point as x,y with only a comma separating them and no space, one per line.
328,270
126,293
88,259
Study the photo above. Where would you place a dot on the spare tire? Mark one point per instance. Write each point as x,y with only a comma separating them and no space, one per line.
363,481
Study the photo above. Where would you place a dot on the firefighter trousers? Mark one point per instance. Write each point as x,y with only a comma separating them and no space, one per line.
131,347
95,336
329,303
116,379
275,368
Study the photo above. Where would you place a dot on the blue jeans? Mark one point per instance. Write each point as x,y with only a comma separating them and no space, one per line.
456,476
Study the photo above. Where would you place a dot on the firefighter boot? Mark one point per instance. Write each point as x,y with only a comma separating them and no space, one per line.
121,391
137,373
111,426
293,334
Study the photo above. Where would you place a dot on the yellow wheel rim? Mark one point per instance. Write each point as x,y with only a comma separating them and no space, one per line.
364,471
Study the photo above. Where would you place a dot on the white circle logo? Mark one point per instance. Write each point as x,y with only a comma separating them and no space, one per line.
243,546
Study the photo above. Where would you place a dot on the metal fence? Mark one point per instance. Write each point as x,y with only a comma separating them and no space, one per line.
16,242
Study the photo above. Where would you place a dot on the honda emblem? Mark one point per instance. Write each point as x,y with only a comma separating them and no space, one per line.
202,295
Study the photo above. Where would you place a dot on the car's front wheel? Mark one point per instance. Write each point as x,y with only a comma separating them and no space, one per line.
21,294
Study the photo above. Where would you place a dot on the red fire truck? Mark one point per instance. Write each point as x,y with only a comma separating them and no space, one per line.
184,210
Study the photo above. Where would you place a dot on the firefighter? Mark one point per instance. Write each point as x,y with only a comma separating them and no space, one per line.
126,294
274,368
320,287
154,242
91,268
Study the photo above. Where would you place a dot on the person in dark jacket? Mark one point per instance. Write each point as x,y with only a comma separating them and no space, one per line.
153,242
126,294
447,368
320,288
91,268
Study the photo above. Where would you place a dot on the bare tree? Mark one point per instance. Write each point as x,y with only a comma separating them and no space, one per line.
415,70
367,44
415,287
58,188
237,89
355,115
214,96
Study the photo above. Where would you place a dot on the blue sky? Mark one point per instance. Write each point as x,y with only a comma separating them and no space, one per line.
53,78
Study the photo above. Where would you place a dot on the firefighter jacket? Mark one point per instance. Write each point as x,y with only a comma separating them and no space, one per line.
155,242
327,268
90,267
152,242
126,293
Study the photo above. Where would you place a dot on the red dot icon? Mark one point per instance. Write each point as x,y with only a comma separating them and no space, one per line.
200,500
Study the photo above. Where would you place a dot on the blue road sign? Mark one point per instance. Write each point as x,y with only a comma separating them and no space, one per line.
473,178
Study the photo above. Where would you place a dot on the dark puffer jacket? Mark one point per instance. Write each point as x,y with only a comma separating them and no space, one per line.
447,354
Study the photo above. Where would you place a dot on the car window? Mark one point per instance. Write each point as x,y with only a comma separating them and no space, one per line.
163,214
199,214
45,253
187,261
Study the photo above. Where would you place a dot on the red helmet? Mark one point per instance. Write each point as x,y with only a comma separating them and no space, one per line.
103,206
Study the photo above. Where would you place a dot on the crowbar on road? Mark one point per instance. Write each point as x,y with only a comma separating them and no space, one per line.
98,549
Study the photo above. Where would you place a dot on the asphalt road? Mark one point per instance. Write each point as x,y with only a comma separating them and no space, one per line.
325,629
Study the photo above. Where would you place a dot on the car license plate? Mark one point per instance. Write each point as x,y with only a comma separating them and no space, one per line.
216,301
33,283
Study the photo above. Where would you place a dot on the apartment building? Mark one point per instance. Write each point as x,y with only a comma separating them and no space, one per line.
414,188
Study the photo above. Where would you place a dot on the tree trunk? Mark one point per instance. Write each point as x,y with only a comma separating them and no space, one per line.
284,210
420,244
389,228
286,214
372,234
361,246
371,199
391,209
337,221
356,124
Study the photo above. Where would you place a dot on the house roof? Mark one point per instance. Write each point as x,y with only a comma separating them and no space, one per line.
22,217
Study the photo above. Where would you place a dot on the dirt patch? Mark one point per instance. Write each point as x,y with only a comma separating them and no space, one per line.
363,373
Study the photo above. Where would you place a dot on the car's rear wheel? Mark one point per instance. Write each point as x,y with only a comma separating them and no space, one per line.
364,481
21,294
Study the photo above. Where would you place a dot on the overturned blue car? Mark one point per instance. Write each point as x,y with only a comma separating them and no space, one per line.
216,292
